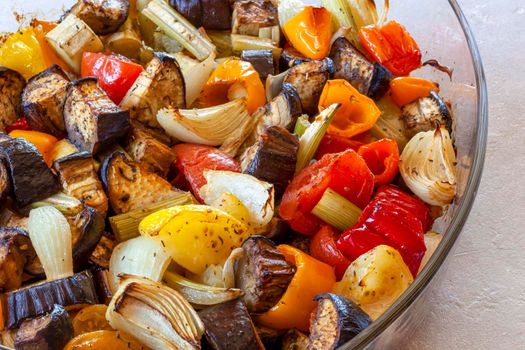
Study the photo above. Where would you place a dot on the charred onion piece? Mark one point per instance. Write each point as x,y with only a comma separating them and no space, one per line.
17,256
31,179
261,60
102,16
79,179
92,120
422,115
274,158
149,152
159,86
336,321
91,225
43,100
229,327
371,79
309,79
251,15
11,85
129,186
47,332
263,274
35,300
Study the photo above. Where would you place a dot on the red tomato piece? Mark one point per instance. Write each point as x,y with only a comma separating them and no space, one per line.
193,160
116,74
323,248
19,124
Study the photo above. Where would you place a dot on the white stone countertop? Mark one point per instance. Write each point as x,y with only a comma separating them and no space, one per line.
480,302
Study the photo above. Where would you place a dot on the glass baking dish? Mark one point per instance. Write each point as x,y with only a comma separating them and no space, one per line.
443,33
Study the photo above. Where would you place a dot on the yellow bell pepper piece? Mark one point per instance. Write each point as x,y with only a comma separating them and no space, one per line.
195,235
232,205
22,53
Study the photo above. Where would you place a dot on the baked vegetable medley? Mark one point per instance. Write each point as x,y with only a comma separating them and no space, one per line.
217,174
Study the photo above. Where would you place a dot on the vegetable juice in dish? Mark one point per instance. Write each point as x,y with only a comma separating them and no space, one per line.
269,172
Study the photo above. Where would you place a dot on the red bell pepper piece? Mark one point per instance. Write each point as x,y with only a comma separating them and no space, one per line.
393,218
382,157
19,124
323,248
335,144
346,173
193,160
392,46
115,73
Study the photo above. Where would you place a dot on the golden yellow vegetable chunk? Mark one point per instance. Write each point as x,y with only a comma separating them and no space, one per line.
232,205
375,280
196,236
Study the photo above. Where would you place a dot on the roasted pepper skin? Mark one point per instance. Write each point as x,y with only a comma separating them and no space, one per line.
346,173
43,142
392,218
392,46
382,158
20,124
311,278
324,248
408,89
335,144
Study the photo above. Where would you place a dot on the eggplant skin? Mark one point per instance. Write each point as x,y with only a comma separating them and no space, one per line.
424,113
291,57
129,186
229,327
380,83
43,100
261,60
39,299
337,320
102,16
12,84
263,274
47,332
5,182
91,225
275,158
91,119
190,9
251,15
17,256
79,179
160,85
30,177
210,14
309,78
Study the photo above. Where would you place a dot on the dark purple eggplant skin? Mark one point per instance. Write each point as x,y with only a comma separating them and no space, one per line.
48,332
39,299
12,84
230,327
380,82
210,14
351,320
190,9
291,57
443,109
261,60
294,103
5,182
92,227
30,177
101,279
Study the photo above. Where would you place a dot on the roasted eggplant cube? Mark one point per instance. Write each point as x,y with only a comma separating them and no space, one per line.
92,120
261,60
5,182
102,16
309,79
36,300
160,85
190,9
251,15
295,340
263,274
12,84
17,255
275,158
43,100
291,57
336,321
229,327
129,186
210,14
79,179
91,227
30,177
424,113
149,152
47,332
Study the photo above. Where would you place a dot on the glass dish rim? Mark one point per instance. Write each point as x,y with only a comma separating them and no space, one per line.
455,227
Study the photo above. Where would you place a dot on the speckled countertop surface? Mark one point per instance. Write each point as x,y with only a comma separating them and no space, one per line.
480,302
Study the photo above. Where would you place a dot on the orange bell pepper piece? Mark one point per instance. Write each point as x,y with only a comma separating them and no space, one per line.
234,79
310,32
312,277
43,142
357,114
408,89
382,158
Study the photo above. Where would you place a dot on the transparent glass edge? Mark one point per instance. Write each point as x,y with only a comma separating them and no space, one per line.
458,220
